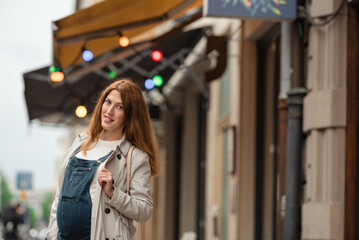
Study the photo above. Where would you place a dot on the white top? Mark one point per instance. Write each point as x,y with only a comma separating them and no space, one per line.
101,149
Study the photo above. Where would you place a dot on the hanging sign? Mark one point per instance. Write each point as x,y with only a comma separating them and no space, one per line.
256,9
24,180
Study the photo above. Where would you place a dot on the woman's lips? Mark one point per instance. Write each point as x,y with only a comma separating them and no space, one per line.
107,119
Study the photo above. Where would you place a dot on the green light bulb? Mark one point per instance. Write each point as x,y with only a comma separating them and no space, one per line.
112,74
52,69
158,80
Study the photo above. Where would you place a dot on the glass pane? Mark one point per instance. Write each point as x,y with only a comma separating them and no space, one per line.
225,186
225,93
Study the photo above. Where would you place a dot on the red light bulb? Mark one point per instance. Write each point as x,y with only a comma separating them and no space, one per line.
156,55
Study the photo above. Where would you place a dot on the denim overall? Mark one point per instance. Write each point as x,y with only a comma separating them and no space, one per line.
74,207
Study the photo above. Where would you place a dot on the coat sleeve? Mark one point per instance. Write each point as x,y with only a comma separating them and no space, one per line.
52,229
139,205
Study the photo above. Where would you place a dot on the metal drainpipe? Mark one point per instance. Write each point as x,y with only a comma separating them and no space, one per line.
292,219
285,64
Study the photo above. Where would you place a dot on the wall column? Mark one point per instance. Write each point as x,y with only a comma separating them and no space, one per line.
324,123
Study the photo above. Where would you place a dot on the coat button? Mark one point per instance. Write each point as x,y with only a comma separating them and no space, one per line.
107,210
119,156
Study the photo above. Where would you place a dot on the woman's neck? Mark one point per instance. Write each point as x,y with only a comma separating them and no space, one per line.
106,136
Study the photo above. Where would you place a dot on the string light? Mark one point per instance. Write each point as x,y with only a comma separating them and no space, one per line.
123,41
156,55
81,111
55,74
53,69
149,84
87,55
112,74
157,80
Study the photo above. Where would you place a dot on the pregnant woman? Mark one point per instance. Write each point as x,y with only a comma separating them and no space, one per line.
96,197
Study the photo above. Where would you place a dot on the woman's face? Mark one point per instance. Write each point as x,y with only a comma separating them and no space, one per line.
112,116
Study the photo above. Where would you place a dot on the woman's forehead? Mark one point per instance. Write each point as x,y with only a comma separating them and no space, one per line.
115,96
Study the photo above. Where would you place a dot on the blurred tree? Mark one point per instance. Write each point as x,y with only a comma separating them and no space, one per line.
46,206
6,195
32,215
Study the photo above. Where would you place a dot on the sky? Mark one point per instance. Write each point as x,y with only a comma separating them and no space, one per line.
25,45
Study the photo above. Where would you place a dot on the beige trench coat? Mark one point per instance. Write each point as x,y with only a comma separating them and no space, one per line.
112,218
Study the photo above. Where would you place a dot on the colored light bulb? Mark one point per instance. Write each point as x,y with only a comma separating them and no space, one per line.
81,111
112,74
87,55
52,69
158,80
156,55
149,84
57,76
123,41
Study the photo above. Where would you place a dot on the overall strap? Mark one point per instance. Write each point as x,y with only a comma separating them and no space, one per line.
77,151
129,154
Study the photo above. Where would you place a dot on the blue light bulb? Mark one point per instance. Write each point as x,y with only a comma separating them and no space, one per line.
149,84
87,55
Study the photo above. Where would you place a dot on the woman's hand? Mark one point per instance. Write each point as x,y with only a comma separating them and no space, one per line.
106,181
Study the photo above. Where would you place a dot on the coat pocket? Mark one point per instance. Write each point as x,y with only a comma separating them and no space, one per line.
128,226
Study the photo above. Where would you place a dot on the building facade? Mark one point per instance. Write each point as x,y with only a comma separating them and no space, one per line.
224,142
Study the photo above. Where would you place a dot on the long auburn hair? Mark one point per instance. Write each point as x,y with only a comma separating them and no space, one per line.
137,127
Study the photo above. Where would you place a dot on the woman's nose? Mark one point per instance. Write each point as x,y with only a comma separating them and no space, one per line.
110,110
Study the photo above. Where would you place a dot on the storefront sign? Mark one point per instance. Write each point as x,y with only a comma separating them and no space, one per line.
256,9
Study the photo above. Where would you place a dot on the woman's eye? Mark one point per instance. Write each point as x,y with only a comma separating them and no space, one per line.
120,107
107,101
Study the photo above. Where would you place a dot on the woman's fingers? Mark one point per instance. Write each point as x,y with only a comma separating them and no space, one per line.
104,176
105,180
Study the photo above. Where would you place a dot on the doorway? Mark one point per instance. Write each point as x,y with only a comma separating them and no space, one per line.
267,128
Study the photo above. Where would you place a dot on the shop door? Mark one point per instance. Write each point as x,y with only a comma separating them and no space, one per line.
351,221
268,178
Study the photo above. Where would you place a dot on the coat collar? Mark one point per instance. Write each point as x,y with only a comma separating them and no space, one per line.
124,146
